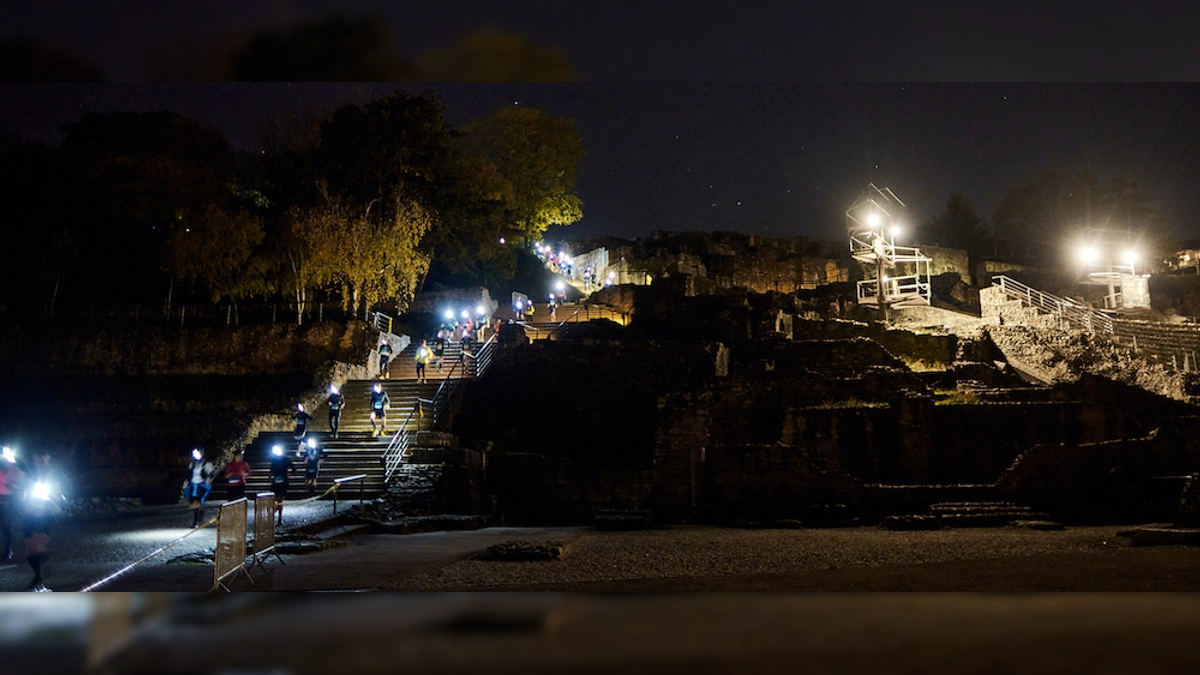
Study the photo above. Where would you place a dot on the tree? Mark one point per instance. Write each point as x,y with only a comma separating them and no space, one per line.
131,179
1037,219
215,249
539,156
957,226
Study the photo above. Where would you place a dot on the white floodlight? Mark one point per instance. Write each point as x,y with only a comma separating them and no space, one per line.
560,285
449,314
277,451
1130,257
1088,254
480,310
873,220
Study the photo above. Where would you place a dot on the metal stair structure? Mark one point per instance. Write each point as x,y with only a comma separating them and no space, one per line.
902,276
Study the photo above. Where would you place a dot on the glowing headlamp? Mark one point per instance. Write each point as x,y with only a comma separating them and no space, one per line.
196,454
277,451
312,442
41,491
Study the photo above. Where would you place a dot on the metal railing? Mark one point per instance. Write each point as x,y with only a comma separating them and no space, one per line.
1069,313
382,322
897,289
433,409
339,482
483,357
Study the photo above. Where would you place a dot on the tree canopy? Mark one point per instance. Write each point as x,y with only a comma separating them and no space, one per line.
957,226
1038,218
352,205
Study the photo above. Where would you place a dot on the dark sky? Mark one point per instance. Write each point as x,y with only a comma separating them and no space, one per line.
777,159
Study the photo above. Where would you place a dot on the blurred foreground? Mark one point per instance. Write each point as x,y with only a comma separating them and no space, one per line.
550,632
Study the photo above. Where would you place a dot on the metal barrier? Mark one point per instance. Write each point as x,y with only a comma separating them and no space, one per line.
264,528
337,485
230,555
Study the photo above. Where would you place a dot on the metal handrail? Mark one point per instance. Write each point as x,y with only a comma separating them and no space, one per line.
396,448
337,483
393,455
483,357
1068,311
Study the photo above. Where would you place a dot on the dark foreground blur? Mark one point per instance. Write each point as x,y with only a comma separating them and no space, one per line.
524,633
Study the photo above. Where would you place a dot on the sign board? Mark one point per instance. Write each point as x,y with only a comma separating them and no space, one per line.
1135,293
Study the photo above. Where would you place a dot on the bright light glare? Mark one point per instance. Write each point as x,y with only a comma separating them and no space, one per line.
9,456
1130,257
873,220
480,310
560,285
41,491
196,454
449,314
277,451
1088,255
464,314
501,240
896,231
312,442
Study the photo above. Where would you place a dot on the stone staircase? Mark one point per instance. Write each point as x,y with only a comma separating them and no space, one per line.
567,315
355,450
972,514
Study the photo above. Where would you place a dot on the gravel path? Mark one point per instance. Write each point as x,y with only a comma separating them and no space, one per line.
597,557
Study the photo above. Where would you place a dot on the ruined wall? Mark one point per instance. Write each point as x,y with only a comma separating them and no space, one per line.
592,401
143,349
530,488
913,348
953,260
119,407
1110,481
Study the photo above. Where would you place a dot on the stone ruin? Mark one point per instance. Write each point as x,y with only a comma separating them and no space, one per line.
757,409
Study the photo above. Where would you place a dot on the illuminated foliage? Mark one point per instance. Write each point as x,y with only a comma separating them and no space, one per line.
539,156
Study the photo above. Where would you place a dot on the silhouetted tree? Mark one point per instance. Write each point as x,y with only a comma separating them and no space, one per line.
1039,219
957,226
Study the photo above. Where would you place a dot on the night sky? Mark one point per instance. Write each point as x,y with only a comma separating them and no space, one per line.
776,159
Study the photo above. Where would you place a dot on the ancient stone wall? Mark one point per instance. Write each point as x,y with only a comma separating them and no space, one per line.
913,348
123,349
120,407
592,401
945,260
